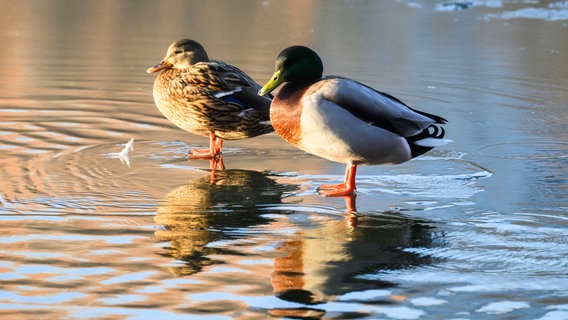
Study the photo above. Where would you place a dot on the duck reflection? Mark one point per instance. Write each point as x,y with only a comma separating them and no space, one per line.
320,264
194,215
217,163
323,259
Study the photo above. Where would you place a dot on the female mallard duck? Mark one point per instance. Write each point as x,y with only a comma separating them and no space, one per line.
210,98
342,120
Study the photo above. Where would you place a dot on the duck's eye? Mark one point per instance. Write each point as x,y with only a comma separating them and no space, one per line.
178,51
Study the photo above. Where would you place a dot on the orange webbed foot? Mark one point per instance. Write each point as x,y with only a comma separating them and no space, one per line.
346,188
213,153
203,154
336,190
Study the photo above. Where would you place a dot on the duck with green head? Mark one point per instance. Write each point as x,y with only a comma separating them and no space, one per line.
208,97
345,121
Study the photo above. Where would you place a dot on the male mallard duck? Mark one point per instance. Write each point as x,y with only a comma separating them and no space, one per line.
342,120
209,98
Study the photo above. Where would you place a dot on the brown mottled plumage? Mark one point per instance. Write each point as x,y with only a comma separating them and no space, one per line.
208,97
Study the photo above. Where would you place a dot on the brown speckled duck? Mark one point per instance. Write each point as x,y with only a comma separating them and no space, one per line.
209,98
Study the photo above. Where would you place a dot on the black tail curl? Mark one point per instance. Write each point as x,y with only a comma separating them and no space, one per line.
433,131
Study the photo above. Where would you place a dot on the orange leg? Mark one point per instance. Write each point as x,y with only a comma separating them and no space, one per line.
215,149
347,187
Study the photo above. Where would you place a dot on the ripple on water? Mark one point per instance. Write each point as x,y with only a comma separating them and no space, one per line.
556,11
88,179
549,11
504,243
527,150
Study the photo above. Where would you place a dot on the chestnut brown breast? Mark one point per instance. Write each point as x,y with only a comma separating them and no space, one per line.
286,112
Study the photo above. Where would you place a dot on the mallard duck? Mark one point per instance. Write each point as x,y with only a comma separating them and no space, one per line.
209,98
342,120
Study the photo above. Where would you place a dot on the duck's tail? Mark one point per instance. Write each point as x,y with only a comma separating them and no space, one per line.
429,138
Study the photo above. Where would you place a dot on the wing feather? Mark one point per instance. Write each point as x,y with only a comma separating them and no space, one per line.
375,107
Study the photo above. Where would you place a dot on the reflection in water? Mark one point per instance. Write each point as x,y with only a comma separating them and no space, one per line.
195,214
351,205
318,260
317,265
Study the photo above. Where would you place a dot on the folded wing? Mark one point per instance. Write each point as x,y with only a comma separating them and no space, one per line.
377,108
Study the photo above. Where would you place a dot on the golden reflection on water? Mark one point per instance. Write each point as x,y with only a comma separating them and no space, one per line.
202,225
193,214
